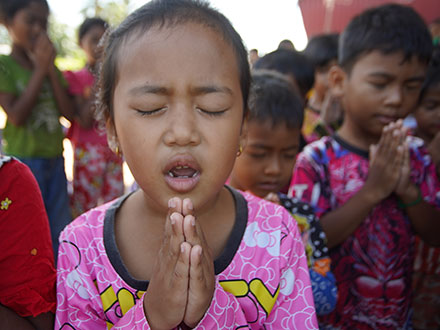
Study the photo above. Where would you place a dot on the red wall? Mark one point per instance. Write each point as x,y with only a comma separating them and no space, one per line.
316,20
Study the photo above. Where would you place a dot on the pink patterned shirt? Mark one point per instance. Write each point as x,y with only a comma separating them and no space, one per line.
262,278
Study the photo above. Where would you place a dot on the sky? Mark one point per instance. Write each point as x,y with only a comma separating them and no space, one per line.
261,24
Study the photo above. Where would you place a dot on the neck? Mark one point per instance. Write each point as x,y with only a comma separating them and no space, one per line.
357,138
21,56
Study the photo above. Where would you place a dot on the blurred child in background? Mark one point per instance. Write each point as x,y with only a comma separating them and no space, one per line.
265,166
371,186
97,170
323,113
426,301
34,96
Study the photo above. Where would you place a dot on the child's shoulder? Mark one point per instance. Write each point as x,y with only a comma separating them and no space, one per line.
267,215
88,226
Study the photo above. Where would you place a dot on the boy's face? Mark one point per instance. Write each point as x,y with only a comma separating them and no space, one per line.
90,41
27,24
428,113
178,112
380,89
321,85
267,161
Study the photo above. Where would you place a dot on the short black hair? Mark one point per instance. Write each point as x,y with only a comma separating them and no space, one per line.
88,24
433,75
290,62
167,13
389,29
8,8
273,99
322,49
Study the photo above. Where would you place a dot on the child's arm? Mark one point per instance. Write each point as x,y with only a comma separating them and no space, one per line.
62,99
84,111
424,217
434,151
19,107
382,179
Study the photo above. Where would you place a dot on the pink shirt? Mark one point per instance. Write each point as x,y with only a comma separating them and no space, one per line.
262,278
81,83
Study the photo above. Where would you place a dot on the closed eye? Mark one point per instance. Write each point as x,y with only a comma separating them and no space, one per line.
212,113
144,113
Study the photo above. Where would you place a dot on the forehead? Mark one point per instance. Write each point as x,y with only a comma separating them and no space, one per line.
393,64
272,135
36,9
189,49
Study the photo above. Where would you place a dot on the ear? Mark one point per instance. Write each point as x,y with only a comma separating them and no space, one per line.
243,133
337,79
112,138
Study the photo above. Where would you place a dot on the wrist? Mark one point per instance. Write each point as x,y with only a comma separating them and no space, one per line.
412,197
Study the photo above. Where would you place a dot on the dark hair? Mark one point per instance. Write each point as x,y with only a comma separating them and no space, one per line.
290,62
273,99
167,13
433,75
88,24
8,8
389,28
286,44
322,49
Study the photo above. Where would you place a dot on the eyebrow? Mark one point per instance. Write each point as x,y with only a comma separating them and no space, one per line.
202,90
389,76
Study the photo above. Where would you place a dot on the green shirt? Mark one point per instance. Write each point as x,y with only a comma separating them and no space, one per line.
41,135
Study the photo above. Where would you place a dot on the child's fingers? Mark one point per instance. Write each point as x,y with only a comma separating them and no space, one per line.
190,230
187,207
182,268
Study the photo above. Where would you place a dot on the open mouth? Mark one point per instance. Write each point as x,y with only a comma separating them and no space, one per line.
182,172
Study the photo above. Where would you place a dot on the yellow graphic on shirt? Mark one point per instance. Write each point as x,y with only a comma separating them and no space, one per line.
239,288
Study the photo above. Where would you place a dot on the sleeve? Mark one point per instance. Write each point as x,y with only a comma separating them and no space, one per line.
323,281
26,261
424,175
309,186
79,305
294,307
6,77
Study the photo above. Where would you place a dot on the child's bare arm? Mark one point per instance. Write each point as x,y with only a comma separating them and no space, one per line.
62,99
385,163
19,107
434,151
166,297
84,111
10,320
424,217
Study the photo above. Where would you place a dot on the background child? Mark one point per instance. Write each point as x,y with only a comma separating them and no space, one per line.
33,95
27,272
323,113
97,170
265,167
426,275
371,204
183,250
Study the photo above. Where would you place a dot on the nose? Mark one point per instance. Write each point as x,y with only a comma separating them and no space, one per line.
395,97
273,166
183,127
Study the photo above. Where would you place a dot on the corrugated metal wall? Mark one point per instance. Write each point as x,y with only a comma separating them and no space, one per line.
333,15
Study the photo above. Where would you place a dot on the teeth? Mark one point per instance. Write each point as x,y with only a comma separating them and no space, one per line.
181,167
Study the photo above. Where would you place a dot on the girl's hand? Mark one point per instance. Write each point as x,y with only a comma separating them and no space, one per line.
404,185
201,270
434,150
385,162
166,298
43,54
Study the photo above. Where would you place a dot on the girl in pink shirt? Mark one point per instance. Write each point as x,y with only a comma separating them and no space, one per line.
184,251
